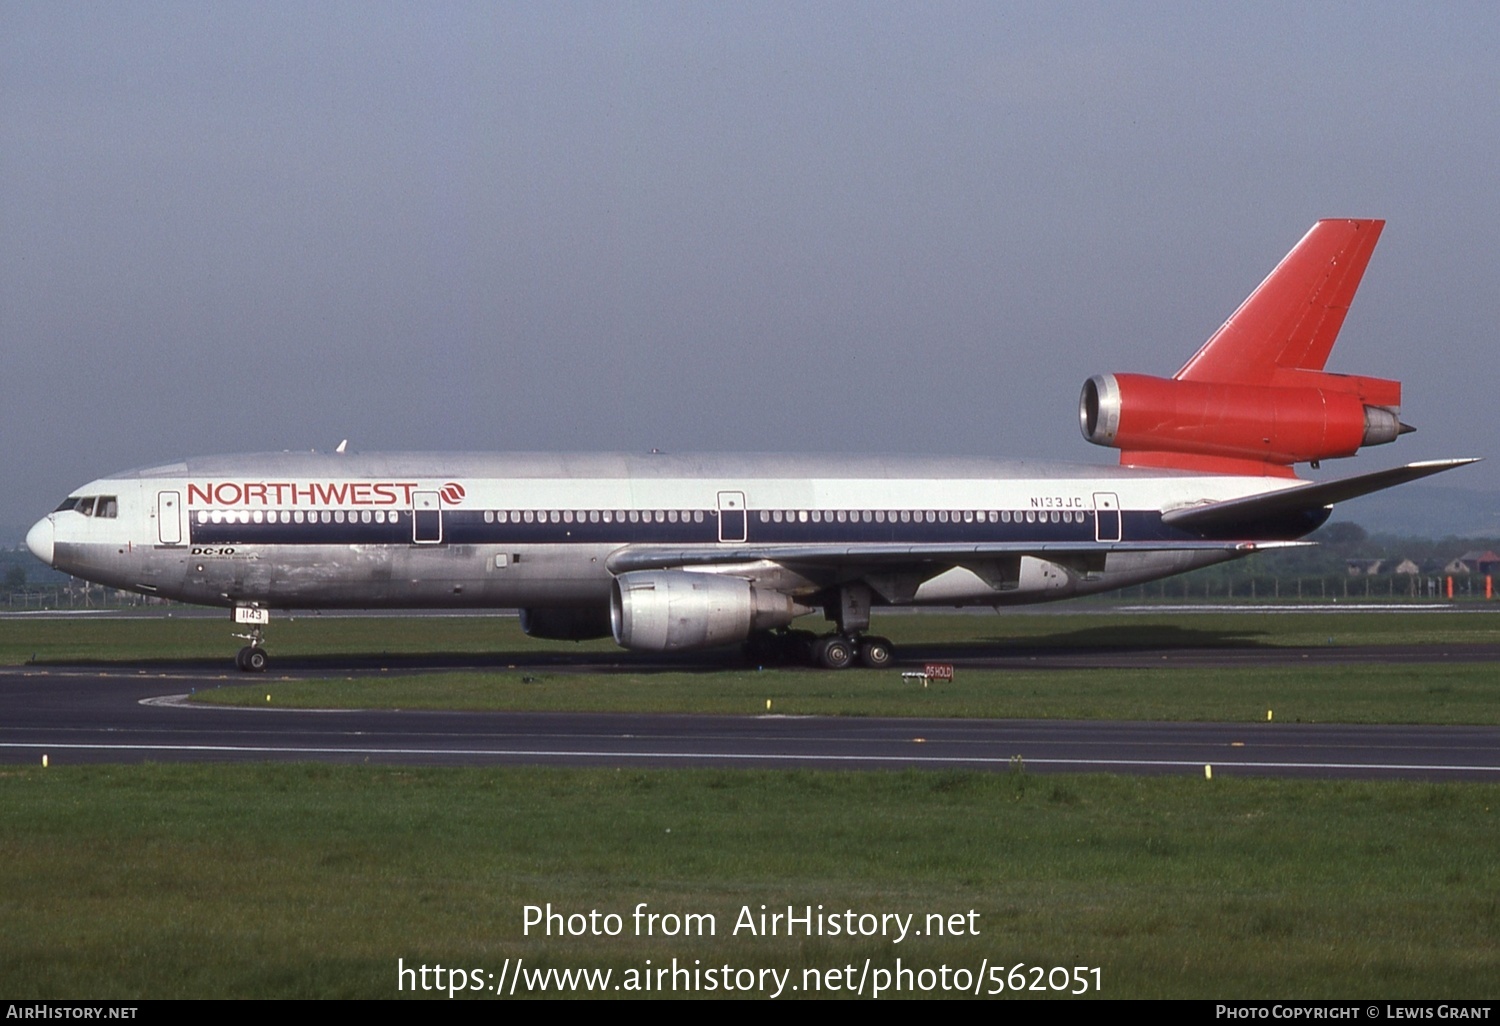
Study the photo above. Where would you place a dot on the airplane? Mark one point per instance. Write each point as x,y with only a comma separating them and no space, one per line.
679,552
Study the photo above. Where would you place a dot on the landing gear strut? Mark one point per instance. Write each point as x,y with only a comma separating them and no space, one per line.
849,609
850,612
252,658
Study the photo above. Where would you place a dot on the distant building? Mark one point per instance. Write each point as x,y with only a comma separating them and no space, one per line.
1364,567
1475,562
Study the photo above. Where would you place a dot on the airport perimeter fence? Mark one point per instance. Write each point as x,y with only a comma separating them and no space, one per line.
75,596
1291,590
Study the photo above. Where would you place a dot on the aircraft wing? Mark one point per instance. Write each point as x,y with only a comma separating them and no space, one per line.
886,554
1239,514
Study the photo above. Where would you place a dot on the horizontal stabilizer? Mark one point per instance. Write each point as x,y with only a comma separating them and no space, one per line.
1244,513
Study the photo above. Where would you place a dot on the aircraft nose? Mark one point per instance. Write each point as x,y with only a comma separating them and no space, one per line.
39,540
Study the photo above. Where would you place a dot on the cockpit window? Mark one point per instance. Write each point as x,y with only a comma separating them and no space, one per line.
92,505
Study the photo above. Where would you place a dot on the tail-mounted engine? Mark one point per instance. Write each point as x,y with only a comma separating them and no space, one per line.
1158,421
1255,398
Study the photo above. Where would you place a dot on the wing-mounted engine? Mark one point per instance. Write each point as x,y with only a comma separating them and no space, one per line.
1217,426
670,610
1255,398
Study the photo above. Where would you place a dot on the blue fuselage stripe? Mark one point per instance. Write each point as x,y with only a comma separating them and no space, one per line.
466,527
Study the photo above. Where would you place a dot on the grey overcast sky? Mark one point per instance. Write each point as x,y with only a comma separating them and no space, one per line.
754,226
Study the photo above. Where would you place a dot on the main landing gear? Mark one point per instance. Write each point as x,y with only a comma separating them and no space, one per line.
849,609
252,658
839,652
836,651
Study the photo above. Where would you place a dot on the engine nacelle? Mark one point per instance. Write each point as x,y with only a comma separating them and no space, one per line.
669,610
1272,424
566,623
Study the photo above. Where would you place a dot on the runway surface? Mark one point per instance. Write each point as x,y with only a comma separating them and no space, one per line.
135,713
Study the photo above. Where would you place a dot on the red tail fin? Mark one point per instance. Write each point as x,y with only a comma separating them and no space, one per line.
1255,398
1291,320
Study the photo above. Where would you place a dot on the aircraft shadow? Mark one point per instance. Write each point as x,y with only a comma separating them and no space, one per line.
1092,641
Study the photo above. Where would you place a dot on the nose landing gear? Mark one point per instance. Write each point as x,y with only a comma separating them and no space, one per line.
252,658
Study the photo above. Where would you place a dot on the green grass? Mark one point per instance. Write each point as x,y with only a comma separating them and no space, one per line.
32,639
311,881
1448,693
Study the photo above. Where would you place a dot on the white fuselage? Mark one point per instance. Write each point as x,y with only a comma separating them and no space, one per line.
306,530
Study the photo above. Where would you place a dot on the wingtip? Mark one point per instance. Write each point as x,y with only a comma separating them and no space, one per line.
1461,461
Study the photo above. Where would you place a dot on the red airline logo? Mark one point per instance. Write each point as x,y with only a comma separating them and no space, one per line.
305,493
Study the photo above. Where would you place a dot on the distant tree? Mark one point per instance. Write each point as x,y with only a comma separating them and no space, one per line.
15,577
1342,535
